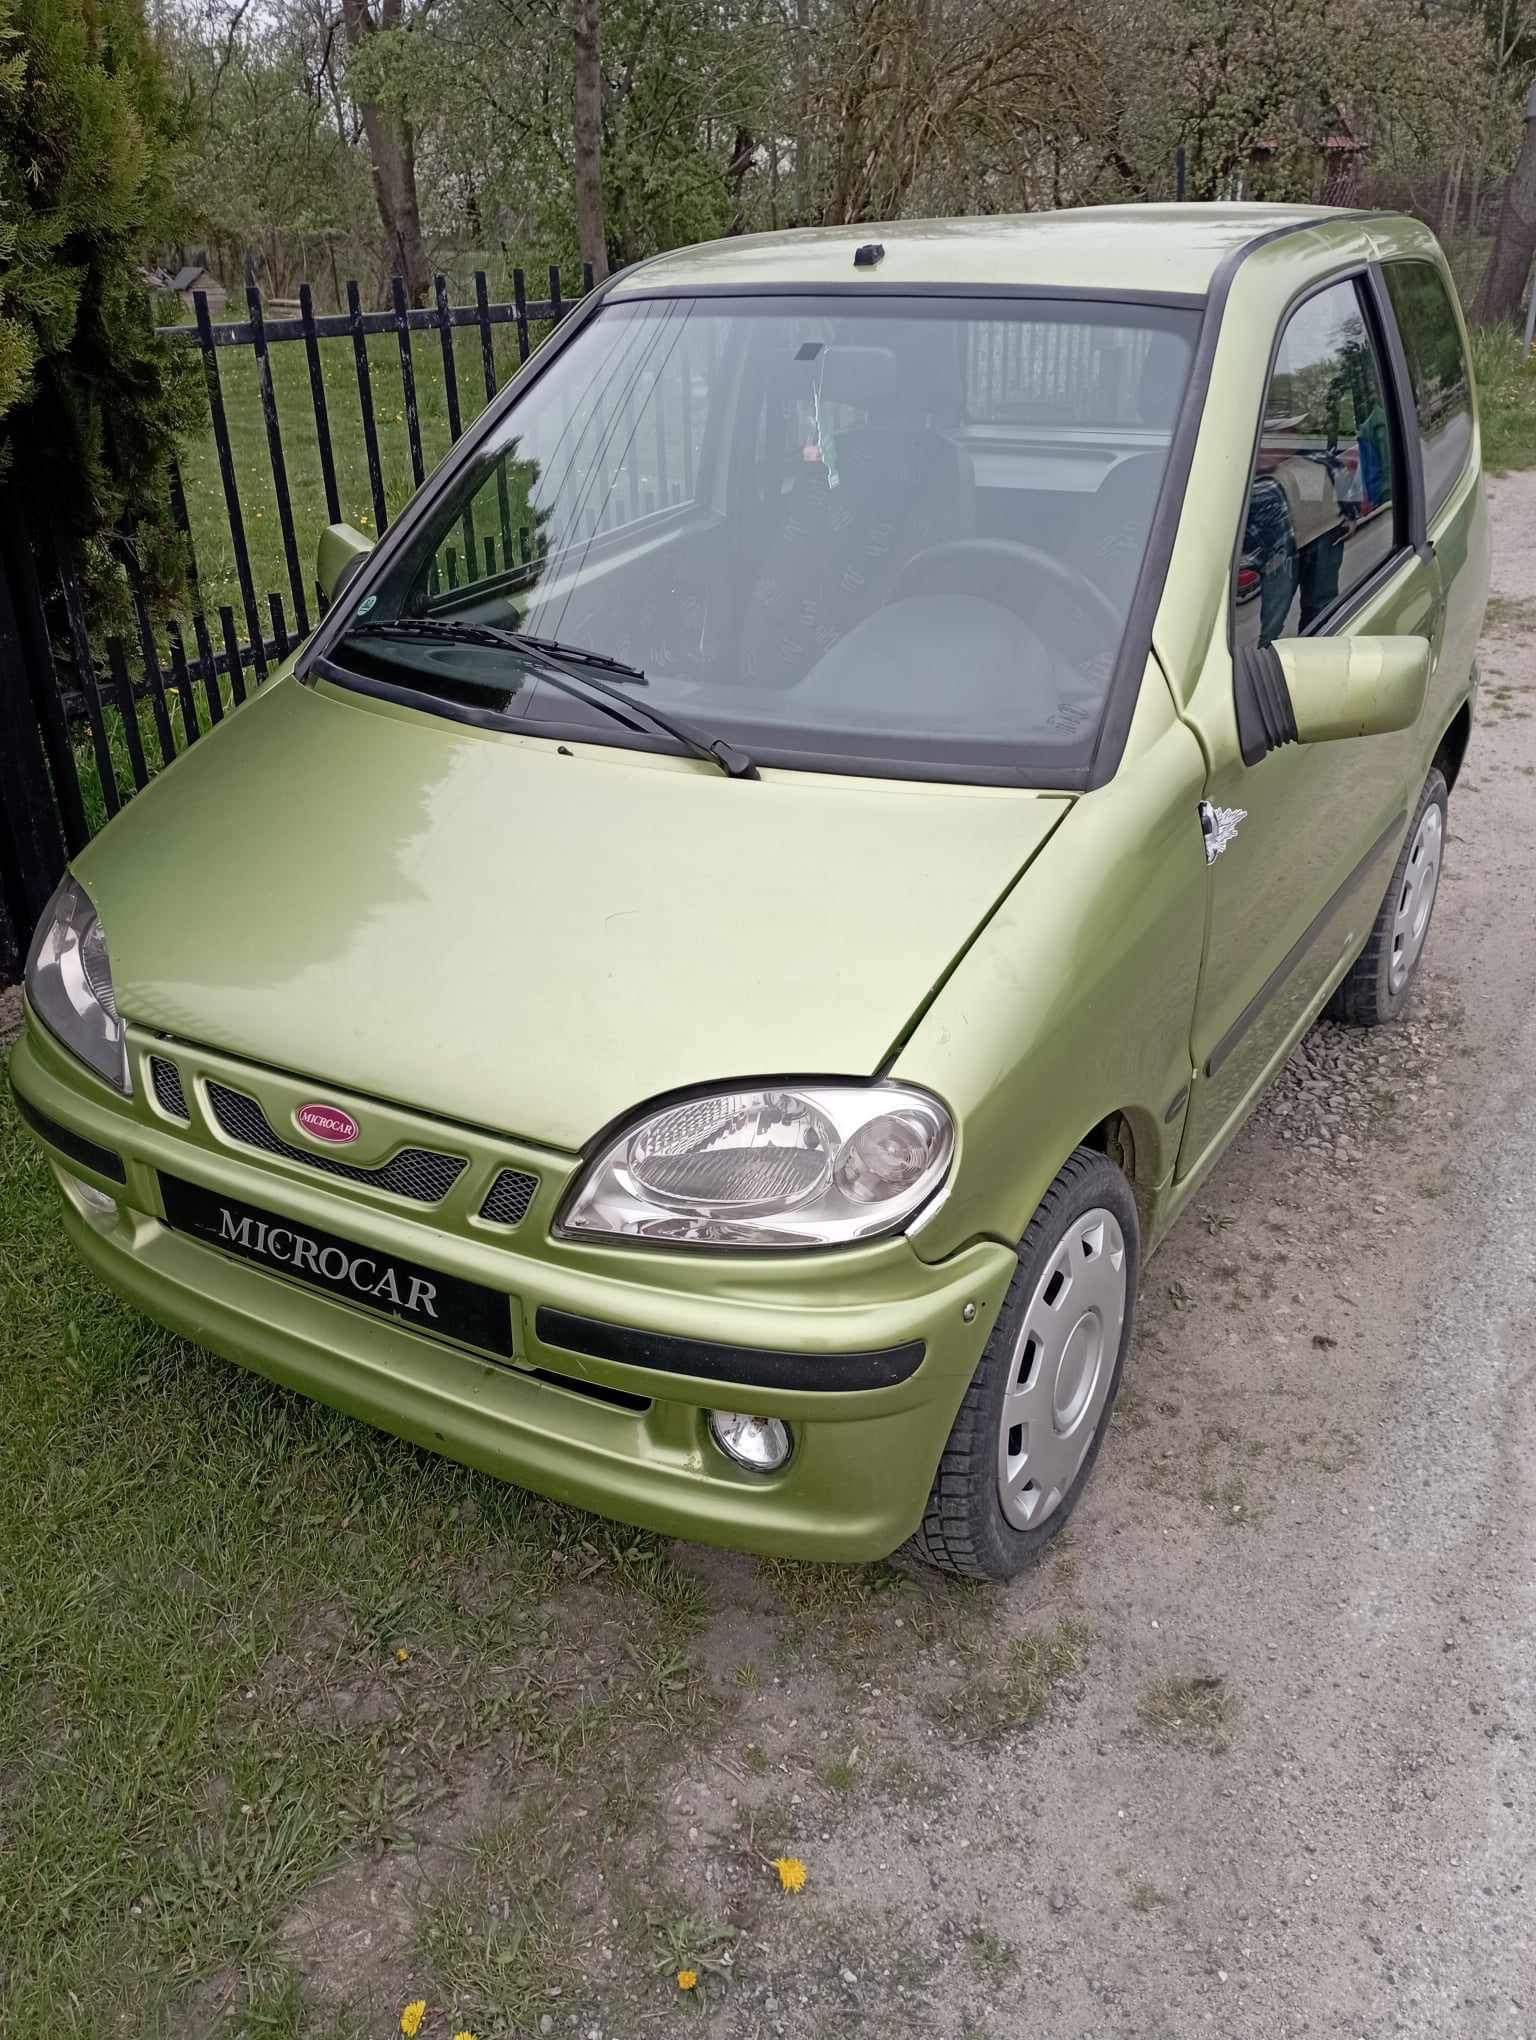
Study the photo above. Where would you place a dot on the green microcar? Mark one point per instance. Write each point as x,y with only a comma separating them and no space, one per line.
700,985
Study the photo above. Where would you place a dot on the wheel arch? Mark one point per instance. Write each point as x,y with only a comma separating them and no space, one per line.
1452,748
1123,1140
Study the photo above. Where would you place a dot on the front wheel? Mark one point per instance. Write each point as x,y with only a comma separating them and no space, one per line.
1034,1416
1377,984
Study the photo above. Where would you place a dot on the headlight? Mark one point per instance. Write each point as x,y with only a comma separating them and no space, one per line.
69,985
802,1165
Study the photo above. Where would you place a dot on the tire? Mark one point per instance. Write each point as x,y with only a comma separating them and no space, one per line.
1380,980
1041,1370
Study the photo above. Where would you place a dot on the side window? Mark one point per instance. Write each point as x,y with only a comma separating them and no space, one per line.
1437,369
1320,514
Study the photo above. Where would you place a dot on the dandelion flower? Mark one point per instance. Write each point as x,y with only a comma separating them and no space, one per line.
402,1656
412,2016
791,1872
465,2035
687,1979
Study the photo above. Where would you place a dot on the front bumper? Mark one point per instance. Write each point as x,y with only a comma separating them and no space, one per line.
618,1353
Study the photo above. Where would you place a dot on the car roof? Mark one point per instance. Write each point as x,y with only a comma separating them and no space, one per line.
1130,250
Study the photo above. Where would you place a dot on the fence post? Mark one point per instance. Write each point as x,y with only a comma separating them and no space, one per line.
205,657
408,379
275,455
520,304
365,405
37,663
85,677
488,367
32,851
317,400
205,341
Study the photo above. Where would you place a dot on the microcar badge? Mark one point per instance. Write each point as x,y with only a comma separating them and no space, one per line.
328,1123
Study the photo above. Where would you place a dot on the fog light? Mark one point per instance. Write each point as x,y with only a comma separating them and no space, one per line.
761,1444
97,1202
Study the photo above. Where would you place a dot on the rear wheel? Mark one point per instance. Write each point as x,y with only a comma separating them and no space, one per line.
1381,977
1034,1416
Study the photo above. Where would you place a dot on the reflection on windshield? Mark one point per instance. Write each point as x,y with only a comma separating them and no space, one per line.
884,531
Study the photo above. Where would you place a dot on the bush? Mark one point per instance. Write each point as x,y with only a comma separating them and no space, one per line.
90,401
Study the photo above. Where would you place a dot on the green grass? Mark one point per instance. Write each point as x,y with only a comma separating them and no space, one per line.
1506,389
205,1585
993,1705
1192,1710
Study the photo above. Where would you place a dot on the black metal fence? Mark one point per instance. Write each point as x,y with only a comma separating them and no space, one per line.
85,724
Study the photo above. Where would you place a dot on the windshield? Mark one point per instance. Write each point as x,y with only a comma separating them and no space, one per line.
884,534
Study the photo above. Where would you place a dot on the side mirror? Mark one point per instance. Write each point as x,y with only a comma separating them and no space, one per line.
341,551
1319,690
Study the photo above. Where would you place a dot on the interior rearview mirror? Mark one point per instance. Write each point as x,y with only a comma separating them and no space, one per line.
341,551
1321,690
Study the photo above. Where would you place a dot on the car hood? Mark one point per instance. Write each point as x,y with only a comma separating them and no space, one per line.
531,937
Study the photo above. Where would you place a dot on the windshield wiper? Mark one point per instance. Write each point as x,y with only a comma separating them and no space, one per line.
575,655
732,760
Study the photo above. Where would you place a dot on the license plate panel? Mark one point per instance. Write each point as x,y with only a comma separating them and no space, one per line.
425,1299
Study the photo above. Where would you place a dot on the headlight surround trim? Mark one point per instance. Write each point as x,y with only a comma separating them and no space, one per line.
68,981
801,1127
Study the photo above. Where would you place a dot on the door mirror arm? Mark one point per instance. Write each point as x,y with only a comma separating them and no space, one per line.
341,551
1265,716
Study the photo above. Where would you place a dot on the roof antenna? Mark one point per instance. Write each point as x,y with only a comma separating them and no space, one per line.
867,256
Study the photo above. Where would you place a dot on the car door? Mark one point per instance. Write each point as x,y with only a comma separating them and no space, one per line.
1300,844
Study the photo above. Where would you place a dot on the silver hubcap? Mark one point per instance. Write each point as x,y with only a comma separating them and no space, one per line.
1421,875
1062,1364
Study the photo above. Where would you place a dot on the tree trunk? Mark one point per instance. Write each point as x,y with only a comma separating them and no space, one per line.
736,176
587,128
1514,240
805,176
392,157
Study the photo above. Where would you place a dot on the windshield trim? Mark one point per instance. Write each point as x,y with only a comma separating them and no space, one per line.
637,292
1135,649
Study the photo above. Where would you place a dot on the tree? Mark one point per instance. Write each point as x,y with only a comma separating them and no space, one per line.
1514,243
283,165
91,403
374,77
587,132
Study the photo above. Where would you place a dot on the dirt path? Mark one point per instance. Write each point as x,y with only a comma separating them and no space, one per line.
1319,1507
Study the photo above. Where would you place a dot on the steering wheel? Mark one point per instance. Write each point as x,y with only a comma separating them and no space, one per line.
970,566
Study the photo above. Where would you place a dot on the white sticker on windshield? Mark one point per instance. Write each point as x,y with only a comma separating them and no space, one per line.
365,605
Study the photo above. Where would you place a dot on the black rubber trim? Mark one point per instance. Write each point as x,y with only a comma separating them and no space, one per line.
1266,717
738,1366
594,1391
104,1161
1298,950
1411,447
1175,1106
889,286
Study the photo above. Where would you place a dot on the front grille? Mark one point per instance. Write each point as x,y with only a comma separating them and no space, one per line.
421,1174
508,1199
166,1079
